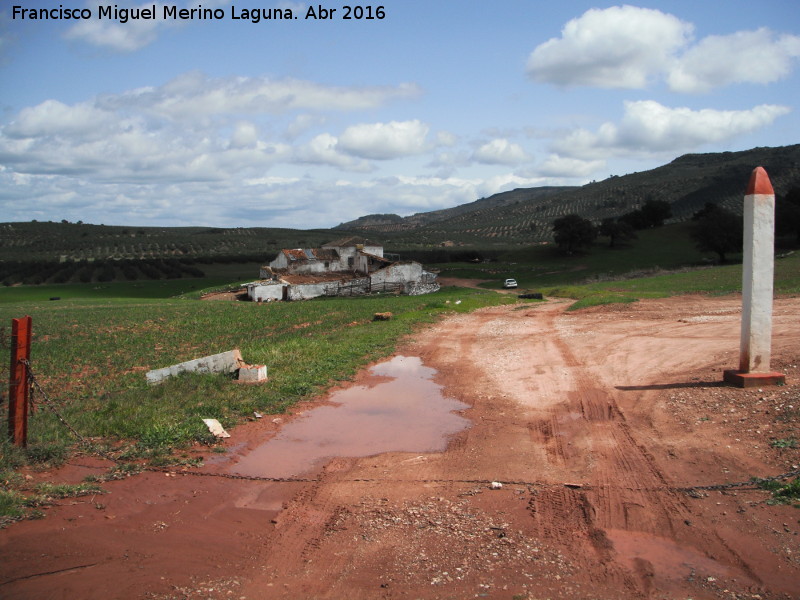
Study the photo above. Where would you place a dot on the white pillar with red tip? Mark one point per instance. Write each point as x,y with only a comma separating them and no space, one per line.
757,274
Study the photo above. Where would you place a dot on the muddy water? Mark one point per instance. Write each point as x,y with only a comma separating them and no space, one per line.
400,408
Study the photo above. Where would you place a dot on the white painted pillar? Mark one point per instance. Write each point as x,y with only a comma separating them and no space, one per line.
757,274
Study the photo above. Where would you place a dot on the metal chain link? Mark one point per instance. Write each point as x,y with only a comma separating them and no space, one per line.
49,404
755,481
5,344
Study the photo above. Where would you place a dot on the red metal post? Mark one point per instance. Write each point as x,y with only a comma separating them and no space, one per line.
18,387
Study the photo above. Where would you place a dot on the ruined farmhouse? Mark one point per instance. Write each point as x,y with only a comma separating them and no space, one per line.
350,266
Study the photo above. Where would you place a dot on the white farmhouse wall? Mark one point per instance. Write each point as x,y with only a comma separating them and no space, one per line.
397,273
259,292
280,262
347,258
305,291
361,263
375,250
314,266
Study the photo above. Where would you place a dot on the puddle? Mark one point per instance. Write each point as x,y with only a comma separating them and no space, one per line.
400,409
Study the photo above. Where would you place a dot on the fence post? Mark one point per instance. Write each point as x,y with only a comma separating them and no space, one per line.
18,388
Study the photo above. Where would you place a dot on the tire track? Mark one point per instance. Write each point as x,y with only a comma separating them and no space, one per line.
622,486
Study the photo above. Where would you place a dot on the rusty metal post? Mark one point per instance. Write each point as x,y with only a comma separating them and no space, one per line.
18,388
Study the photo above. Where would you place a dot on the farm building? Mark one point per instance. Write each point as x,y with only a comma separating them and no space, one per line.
346,267
351,255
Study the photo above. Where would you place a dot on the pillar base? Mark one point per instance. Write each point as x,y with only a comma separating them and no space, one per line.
748,380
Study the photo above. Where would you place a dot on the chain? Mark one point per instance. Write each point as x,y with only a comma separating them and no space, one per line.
50,405
539,484
756,481
234,476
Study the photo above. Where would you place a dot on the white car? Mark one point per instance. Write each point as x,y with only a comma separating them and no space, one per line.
510,283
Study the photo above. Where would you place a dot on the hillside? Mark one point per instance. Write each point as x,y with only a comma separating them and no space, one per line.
82,241
395,223
525,216
510,219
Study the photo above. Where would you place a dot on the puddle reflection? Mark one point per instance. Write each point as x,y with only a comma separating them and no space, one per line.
402,409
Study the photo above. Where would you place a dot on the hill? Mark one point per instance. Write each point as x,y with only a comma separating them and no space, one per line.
391,223
503,221
525,216
81,241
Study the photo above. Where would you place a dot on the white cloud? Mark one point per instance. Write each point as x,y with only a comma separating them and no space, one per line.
562,166
743,57
618,47
323,150
146,135
245,135
651,128
383,141
115,35
52,118
194,95
445,138
303,123
500,152
122,31
630,47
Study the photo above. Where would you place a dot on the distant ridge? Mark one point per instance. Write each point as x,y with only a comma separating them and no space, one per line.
510,219
391,222
525,215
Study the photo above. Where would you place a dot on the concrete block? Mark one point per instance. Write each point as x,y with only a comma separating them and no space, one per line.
225,362
252,373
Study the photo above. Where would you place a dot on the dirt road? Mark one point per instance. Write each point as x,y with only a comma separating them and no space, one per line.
589,424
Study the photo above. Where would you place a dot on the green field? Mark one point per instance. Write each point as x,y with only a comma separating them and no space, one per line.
93,346
660,263
709,280
542,266
90,356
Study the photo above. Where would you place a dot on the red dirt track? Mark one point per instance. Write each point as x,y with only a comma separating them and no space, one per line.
591,421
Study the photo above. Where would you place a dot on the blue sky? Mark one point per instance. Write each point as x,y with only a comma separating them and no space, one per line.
308,123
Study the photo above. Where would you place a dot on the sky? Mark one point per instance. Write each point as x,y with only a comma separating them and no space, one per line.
224,119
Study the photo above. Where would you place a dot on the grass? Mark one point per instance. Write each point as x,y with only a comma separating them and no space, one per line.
92,348
113,290
784,443
660,263
19,501
537,267
91,356
783,493
716,281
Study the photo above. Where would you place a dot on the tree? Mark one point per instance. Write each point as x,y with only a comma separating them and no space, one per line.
616,231
652,214
573,233
787,214
716,229
656,212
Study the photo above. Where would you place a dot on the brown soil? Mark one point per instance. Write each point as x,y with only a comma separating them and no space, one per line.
588,422
230,295
468,283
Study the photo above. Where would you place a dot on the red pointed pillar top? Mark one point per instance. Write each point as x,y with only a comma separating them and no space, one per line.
759,183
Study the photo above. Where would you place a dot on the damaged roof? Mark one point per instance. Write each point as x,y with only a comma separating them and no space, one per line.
309,254
376,258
